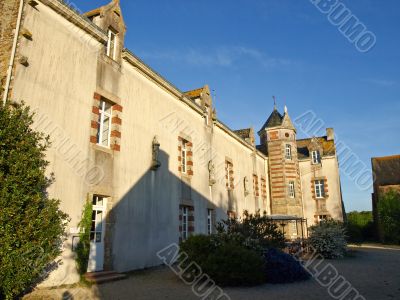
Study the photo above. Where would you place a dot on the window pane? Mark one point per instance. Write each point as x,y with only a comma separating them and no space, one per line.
105,130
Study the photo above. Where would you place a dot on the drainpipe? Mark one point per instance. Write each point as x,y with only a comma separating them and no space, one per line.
13,51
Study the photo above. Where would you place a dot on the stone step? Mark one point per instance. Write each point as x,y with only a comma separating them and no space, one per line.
103,277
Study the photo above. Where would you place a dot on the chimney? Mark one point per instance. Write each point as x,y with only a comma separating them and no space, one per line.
330,134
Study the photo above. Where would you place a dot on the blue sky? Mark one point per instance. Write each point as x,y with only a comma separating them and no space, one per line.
249,50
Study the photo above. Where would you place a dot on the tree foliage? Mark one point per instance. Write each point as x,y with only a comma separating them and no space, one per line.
359,226
255,229
31,224
389,216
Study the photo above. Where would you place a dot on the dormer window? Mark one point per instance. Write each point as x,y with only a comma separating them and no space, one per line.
288,152
112,44
316,157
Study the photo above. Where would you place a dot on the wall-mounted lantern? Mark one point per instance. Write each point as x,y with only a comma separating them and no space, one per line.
155,164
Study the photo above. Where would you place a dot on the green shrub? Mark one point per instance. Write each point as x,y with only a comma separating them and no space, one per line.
83,247
31,224
227,262
328,238
198,248
389,216
234,265
257,230
359,226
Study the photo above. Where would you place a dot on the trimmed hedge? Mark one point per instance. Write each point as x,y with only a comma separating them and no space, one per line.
226,262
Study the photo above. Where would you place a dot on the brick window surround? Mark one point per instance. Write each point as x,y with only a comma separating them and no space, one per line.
325,191
186,222
116,122
185,157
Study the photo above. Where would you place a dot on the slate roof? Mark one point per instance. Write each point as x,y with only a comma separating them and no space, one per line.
386,170
243,133
275,119
327,146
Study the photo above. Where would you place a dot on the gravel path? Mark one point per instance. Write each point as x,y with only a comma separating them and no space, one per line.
375,273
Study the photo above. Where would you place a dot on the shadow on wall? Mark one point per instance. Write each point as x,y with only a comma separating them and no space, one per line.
148,217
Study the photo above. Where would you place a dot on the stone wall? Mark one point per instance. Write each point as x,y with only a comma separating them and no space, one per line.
8,21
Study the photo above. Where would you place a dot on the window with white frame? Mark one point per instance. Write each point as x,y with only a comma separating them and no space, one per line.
185,222
104,129
292,192
210,221
112,44
184,156
316,157
322,218
319,189
288,152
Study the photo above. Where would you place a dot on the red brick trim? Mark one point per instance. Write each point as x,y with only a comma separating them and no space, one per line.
95,110
97,96
116,147
94,125
93,139
117,107
116,133
116,120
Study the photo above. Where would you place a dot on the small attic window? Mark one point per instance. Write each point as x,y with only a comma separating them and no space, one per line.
112,44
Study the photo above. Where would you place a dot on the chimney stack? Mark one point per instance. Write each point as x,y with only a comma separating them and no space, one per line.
330,134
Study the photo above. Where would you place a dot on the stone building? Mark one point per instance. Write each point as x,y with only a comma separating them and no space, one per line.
156,162
386,174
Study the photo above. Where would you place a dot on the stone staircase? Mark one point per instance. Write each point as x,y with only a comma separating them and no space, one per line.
103,277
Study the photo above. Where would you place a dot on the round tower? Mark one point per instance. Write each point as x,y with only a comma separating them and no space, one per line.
279,136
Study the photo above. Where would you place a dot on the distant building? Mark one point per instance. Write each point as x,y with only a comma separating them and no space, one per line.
156,163
386,173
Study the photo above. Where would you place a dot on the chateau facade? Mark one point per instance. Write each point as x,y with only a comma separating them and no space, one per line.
155,162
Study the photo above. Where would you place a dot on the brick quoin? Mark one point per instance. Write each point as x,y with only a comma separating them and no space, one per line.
116,147
95,110
97,96
116,120
93,139
117,107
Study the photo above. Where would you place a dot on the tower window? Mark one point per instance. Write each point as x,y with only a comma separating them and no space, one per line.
112,44
292,192
316,157
288,152
319,189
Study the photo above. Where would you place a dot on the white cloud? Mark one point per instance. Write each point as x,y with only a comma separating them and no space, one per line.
221,56
380,82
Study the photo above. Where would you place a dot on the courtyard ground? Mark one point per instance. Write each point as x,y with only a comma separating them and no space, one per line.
375,273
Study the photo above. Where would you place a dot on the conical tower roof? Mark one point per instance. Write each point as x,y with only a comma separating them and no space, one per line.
274,120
